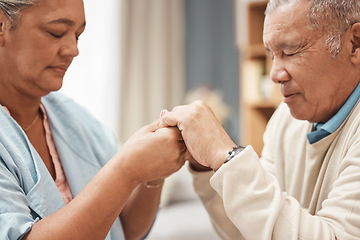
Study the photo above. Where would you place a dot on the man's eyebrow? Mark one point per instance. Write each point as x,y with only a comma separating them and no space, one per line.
66,21
283,46
288,46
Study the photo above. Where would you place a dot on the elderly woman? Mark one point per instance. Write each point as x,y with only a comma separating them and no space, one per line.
62,175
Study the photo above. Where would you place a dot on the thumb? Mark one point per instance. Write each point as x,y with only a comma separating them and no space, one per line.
152,127
156,125
168,121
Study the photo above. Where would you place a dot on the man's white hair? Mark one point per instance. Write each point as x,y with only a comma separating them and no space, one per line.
332,17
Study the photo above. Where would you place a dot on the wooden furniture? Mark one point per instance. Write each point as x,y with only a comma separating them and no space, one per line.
259,96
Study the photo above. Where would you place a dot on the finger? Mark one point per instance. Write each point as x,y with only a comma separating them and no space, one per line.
163,112
182,146
188,155
171,119
170,131
182,158
152,127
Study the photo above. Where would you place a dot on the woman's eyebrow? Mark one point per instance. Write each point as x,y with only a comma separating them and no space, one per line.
66,21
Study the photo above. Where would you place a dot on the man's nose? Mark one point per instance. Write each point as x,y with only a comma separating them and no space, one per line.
278,73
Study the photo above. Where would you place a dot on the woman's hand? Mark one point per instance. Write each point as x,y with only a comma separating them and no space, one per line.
153,153
205,138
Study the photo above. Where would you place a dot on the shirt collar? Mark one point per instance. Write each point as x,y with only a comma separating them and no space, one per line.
321,130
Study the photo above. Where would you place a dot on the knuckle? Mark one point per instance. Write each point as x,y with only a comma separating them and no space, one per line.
200,106
200,103
177,108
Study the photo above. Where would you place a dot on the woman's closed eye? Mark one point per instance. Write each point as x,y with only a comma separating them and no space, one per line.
56,35
60,35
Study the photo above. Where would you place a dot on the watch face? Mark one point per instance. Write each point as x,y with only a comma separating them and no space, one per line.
234,152
239,149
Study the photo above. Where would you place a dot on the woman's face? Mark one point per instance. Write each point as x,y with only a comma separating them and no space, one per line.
36,54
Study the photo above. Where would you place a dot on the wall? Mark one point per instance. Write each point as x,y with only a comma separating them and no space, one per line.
211,55
93,79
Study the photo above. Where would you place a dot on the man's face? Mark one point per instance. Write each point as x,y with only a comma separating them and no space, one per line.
314,83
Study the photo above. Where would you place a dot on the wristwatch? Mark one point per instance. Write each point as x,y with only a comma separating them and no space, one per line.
235,151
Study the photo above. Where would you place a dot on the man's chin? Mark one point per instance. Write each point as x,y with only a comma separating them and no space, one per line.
299,114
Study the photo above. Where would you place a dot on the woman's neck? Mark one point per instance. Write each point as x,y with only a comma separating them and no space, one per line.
23,110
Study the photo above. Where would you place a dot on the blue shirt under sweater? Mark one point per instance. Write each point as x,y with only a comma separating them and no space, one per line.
321,130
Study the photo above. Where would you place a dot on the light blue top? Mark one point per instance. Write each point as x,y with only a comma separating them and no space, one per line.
27,190
321,130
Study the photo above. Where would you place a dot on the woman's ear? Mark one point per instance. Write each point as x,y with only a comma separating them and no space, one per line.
355,40
3,22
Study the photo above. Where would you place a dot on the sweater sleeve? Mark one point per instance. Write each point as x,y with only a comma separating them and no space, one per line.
214,206
255,204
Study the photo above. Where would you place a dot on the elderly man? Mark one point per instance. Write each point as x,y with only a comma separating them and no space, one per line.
306,185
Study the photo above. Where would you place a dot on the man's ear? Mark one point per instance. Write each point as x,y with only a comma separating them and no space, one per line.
355,40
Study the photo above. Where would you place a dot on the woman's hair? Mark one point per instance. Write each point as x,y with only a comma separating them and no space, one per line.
332,17
12,8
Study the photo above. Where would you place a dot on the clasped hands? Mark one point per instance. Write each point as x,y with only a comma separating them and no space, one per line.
188,132
206,141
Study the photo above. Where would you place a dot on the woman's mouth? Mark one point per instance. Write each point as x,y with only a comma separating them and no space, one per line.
59,69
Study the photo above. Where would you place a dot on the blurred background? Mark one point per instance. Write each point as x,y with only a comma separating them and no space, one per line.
138,57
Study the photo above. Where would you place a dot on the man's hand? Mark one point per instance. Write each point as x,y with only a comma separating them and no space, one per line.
205,138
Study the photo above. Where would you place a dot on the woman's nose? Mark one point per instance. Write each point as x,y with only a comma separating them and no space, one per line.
70,47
